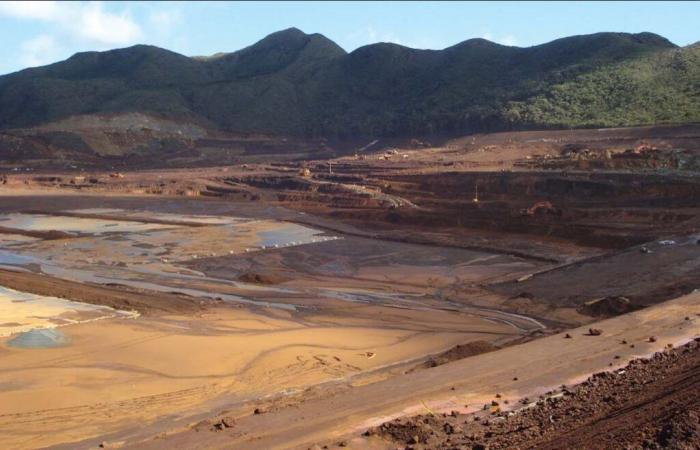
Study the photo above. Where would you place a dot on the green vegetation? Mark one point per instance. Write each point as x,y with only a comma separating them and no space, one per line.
660,88
292,83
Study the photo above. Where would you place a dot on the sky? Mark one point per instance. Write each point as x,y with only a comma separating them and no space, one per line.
38,33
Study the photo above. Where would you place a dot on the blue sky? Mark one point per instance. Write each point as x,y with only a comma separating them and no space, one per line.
37,33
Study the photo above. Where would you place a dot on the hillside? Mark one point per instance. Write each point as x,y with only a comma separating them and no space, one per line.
297,84
659,88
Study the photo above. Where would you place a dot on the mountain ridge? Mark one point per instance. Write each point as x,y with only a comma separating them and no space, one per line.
293,83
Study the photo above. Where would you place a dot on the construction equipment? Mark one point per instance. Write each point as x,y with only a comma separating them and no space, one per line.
642,147
544,206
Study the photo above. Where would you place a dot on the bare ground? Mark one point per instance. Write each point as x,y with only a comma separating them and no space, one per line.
650,403
600,243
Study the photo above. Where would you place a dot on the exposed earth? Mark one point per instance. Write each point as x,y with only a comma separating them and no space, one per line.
356,297
650,403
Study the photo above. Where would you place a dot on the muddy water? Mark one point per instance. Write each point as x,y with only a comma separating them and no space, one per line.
22,312
132,251
291,234
40,338
9,258
9,240
126,251
74,225
161,216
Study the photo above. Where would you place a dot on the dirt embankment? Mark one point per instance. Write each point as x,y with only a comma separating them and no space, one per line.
455,353
432,190
651,403
600,210
48,235
616,283
122,298
609,210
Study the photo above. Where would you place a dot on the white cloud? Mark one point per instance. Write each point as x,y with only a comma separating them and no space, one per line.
372,35
87,22
164,24
39,50
29,10
508,39
64,28
94,24
165,21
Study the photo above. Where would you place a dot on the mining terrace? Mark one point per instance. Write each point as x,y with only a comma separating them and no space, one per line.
399,294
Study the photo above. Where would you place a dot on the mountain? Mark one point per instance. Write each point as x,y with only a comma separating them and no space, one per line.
298,84
663,87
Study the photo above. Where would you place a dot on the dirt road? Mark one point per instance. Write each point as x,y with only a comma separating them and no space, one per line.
651,403
539,366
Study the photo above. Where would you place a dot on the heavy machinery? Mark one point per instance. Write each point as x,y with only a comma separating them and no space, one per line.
538,207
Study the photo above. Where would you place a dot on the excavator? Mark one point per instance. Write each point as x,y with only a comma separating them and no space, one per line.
544,206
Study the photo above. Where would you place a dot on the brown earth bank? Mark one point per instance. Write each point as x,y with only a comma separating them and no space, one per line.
329,313
604,206
446,258
336,416
117,297
651,403
455,353
618,282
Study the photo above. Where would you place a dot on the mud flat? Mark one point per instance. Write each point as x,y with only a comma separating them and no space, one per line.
335,311
72,225
333,303
508,375
650,403
23,312
128,248
118,375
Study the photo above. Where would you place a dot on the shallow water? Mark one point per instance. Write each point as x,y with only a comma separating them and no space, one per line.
41,338
167,217
373,297
147,256
8,258
9,240
74,225
22,311
291,234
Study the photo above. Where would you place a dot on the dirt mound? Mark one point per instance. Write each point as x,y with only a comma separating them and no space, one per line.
616,283
48,235
412,432
652,403
261,278
608,306
455,353
682,430
115,296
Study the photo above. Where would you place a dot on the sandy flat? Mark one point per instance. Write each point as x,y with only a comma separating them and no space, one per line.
21,311
121,373
463,385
